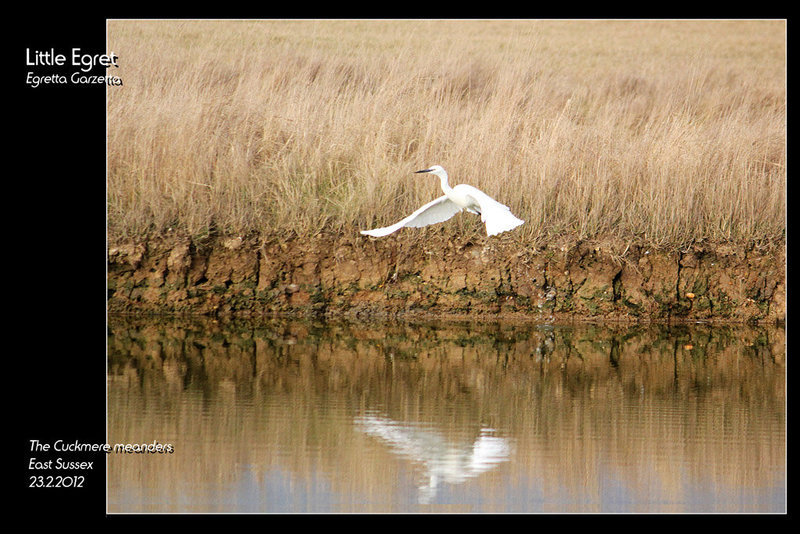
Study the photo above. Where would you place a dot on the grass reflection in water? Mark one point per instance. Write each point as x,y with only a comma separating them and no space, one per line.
399,417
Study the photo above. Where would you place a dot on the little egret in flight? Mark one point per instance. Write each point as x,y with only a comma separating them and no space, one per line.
497,217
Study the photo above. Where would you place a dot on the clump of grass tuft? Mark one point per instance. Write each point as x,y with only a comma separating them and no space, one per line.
665,131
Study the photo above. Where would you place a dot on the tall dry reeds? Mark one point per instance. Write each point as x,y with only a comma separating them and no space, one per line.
661,131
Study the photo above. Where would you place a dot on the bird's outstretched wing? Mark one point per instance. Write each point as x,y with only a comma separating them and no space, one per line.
497,217
435,211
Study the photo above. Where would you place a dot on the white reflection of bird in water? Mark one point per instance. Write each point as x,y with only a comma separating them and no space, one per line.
442,461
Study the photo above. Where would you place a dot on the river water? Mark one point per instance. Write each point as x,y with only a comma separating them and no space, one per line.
288,416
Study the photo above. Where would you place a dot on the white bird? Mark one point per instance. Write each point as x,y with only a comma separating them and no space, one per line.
497,217
438,458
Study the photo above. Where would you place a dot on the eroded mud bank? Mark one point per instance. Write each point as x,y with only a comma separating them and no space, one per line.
391,277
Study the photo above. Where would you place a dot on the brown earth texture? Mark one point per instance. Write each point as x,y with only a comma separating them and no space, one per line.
327,275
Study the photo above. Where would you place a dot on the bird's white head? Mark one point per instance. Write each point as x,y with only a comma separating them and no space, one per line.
438,170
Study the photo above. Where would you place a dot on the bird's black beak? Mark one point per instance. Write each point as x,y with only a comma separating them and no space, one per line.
423,170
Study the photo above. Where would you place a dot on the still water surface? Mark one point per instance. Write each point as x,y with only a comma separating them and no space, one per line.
303,416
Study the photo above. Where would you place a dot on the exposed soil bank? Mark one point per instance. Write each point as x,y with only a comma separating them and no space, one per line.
492,278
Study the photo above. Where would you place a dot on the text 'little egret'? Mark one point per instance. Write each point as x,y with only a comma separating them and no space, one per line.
497,217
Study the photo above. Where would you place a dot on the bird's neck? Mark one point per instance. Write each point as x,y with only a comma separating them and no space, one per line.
445,186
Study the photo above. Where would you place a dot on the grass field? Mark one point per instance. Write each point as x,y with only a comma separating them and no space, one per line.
663,132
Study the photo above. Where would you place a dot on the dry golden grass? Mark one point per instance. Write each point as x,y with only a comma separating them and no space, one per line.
664,132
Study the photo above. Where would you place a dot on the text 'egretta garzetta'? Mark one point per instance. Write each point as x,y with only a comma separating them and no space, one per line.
497,217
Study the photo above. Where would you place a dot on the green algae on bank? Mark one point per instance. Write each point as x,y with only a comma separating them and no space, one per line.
329,276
